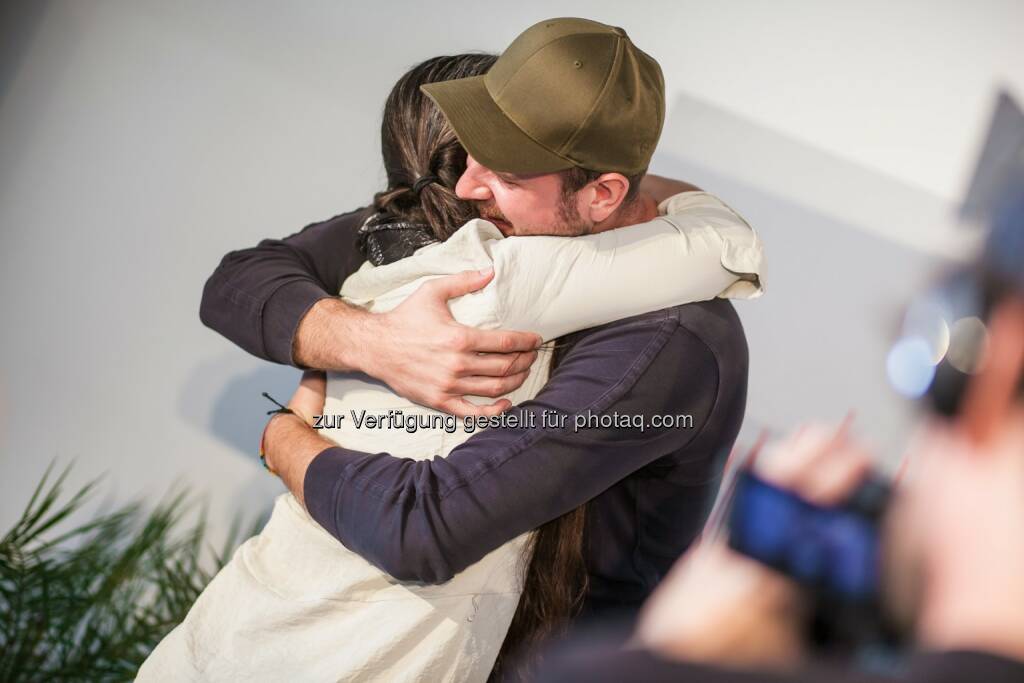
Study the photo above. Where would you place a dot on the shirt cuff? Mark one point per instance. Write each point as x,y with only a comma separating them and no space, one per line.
282,313
320,485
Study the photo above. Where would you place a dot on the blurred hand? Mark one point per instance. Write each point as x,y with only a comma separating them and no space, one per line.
819,463
719,606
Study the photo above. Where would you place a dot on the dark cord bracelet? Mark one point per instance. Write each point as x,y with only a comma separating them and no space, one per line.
280,409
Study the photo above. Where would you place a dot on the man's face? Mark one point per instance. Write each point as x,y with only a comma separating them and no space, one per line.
521,205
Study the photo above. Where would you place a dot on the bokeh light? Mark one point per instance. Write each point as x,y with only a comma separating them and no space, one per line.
910,366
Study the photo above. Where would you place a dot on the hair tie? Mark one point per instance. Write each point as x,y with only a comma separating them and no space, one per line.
423,182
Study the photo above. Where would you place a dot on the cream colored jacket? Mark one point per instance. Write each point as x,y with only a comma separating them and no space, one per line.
294,604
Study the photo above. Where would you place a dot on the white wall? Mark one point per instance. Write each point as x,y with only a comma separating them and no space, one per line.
140,141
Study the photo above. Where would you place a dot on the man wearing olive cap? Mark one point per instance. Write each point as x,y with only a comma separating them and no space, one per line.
567,93
568,116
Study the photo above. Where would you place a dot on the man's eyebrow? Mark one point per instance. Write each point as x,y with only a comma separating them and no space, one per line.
516,177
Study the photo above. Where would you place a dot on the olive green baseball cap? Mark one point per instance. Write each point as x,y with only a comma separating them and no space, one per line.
566,93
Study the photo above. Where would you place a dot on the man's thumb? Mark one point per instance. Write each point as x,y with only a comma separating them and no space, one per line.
451,286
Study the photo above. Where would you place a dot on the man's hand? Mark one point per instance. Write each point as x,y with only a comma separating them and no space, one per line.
419,350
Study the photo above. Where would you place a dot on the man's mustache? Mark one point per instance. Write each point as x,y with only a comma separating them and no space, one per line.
492,213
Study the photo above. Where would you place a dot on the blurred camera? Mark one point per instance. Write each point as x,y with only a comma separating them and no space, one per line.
833,552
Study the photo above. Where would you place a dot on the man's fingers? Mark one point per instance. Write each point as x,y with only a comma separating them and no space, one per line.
491,387
818,463
835,477
500,341
460,407
498,364
451,286
788,459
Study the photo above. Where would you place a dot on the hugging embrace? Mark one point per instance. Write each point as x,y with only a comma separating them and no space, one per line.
519,263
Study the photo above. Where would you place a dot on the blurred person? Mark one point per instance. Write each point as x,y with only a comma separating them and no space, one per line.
953,542
293,602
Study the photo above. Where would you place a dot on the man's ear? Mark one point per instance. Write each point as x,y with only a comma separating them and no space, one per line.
608,191
992,392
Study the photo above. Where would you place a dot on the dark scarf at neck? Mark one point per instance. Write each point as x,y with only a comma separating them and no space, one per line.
383,238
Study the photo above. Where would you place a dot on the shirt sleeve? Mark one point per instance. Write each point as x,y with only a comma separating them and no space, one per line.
556,285
257,296
426,520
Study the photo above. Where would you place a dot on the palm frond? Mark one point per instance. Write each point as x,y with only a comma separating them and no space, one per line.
89,603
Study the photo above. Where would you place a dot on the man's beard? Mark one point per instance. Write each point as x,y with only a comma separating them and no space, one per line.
572,222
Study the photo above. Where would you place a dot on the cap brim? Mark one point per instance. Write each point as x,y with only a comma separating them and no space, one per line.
487,133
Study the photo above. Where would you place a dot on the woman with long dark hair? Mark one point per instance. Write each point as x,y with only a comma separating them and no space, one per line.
295,604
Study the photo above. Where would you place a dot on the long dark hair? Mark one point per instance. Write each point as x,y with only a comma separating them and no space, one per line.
416,141
554,584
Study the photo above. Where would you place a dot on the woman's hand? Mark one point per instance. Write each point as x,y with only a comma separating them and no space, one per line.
289,445
308,399
660,188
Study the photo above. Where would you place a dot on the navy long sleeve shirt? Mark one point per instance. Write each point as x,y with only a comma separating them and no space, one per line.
425,520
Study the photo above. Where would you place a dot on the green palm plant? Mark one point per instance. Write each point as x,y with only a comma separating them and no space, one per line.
90,602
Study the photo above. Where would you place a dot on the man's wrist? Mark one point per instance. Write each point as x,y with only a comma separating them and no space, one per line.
331,336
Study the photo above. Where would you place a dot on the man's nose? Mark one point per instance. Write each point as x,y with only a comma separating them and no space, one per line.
471,185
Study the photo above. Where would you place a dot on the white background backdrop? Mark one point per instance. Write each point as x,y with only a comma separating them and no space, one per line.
140,141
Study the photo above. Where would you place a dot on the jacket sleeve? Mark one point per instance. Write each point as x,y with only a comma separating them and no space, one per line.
426,520
257,296
554,285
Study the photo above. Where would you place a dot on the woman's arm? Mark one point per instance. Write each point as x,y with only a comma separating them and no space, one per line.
555,285
660,188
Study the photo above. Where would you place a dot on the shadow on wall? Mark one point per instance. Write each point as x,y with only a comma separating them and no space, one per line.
835,287
223,396
19,21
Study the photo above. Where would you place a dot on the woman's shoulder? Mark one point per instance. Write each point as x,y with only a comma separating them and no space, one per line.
475,232
468,248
